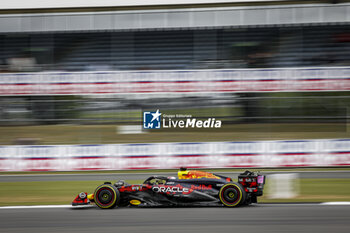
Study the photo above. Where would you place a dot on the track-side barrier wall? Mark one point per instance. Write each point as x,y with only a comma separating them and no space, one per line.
251,154
184,81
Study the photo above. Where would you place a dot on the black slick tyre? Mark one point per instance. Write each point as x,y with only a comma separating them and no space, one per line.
232,194
106,196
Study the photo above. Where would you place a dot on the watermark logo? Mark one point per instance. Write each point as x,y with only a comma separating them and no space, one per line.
151,120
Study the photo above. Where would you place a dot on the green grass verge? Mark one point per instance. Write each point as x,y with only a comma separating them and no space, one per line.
317,190
92,134
136,116
63,192
44,193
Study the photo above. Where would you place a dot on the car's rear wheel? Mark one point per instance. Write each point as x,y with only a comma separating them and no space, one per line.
232,194
106,196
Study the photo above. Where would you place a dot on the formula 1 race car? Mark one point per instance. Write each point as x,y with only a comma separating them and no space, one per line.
191,188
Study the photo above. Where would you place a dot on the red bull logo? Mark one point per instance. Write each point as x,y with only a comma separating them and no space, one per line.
201,187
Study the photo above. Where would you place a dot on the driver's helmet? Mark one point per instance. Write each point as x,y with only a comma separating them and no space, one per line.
120,183
182,173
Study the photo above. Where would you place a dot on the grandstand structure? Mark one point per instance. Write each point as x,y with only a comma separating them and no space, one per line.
233,34
183,49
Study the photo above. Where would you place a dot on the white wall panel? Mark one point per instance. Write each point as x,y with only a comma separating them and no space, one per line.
178,19
37,23
255,17
153,20
59,23
126,21
103,21
335,14
79,22
10,24
184,18
229,18
204,19
308,15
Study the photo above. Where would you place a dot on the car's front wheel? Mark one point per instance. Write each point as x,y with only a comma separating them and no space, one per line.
106,196
232,194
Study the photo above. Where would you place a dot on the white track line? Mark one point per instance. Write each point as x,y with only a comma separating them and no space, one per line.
89,206
43,206
336,203
35,206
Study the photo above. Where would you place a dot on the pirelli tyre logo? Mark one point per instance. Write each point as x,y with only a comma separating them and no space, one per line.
169,189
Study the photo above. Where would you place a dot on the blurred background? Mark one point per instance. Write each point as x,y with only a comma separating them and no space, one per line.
42,45
233,35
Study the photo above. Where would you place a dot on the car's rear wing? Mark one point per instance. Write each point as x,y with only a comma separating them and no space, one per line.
252,182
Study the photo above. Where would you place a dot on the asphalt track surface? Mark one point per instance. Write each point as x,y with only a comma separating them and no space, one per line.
258,218
142,176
